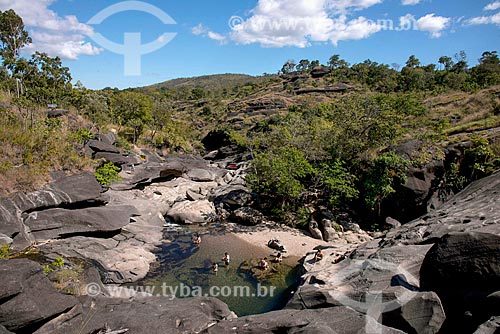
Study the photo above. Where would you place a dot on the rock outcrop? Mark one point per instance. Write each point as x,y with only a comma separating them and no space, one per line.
143,315
27,298
438,273
323,321
29,303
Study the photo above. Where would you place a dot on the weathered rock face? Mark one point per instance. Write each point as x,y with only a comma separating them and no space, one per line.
246,216
102,146
323,321
3,330
463,260
492,326
30,304
61,223
429,278
172,168
190,212
65,191
234,196
464,268
82,189
5,240
476,209
27,297
413,197
145,315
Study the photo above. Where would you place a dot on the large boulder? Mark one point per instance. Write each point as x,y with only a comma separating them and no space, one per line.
201,175
144,315
423,313
27,297
116,158
5,240
234,196
421,182
463,268
341,320
459,261
196,212
328,230
246,216
70,191
107,138
60,223
492,326
314,230
173,167
64,191
102,146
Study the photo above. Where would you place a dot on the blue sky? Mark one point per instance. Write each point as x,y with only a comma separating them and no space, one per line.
254,36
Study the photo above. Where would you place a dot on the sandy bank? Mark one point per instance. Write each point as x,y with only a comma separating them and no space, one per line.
297,243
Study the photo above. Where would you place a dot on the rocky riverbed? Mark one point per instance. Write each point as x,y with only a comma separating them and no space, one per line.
437,274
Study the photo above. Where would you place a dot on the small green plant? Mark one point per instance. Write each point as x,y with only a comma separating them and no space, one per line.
83,135
47,269
5,251
58,262
107,173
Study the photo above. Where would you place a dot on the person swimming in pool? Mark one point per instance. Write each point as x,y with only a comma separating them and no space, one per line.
279,258
226,258
196,239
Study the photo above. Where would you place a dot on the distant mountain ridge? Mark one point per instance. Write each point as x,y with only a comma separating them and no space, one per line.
214,81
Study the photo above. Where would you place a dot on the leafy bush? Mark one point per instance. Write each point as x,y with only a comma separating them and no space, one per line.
107,173
388,170
280,173
338,181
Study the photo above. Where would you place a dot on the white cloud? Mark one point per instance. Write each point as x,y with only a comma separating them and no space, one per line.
55,35
493,19
493,6
216,37
201,30
344,6
279,23
410,2
429,23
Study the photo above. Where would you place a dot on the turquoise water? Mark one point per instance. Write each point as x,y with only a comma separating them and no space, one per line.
188,267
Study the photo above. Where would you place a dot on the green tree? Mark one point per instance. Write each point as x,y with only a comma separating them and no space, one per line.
336,62
447,62
460,65
288,67
13,37
487,73
132,109
338,182
413,62
303,65
280,174
388,170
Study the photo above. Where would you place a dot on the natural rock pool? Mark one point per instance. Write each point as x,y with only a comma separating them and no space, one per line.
187,267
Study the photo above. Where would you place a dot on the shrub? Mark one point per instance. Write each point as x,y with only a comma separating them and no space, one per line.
388,170
107,173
